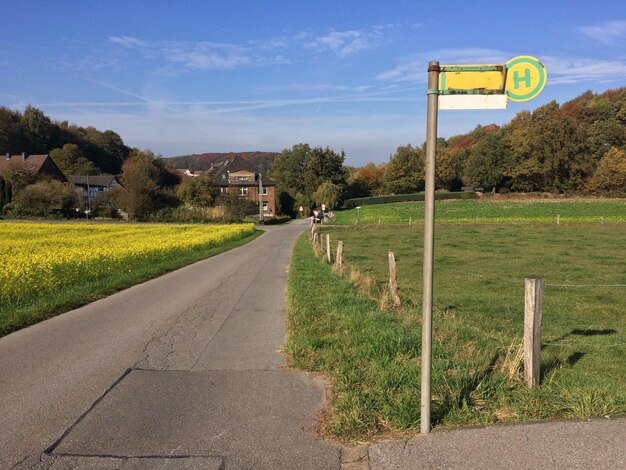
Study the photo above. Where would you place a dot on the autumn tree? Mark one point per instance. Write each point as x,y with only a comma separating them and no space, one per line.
611,172
19,175
366,181
141,194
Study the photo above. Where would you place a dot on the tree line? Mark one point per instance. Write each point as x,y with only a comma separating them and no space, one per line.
76,150
577,147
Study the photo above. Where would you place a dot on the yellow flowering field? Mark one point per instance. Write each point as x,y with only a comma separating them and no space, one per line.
41,258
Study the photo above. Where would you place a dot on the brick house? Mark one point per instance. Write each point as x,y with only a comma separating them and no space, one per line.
237,176
42,165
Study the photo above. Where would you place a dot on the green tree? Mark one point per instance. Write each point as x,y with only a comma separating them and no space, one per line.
37,129
288,167
404,174
327,193
44,197
299,171
450,162
236,208
2,196
486,163
71,161
106,149
12,138
324,164
200,191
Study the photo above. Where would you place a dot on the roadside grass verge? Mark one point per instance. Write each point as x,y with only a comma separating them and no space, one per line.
489,211
373,355
26,310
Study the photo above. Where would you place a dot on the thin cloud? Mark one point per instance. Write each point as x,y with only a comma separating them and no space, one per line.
611,32
342,43
574,70
207,56
413,68
561,69
126,41
202,55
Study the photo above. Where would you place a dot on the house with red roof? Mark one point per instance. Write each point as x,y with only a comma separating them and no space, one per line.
239,177
42,165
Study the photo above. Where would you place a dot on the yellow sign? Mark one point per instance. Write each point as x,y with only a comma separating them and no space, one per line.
525,78
483,79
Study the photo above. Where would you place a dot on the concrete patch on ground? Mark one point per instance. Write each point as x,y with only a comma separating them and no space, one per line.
70,462
250,419
597,443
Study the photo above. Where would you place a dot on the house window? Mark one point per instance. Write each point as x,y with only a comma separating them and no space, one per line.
242,178
243,191
222,190
264,191
266,206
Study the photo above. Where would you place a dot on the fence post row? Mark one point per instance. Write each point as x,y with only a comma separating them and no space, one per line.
393,280
533,311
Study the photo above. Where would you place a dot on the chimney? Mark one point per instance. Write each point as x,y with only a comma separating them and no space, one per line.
8,155
23,157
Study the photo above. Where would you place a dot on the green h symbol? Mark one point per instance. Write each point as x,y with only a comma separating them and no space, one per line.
525,78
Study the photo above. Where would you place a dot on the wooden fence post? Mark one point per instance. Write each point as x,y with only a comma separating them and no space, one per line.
328,247
339,257
315,238
393,280
533,311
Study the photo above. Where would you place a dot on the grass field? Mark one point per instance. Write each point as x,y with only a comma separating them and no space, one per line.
50,268
488,211
374,356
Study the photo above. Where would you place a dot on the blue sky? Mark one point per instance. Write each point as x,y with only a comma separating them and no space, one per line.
183,77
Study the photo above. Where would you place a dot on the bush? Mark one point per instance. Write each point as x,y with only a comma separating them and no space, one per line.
367,201
235,207
46,198
276,220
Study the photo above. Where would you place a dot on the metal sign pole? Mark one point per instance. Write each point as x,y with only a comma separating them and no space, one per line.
429,244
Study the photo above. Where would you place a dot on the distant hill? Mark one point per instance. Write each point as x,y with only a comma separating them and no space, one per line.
262,161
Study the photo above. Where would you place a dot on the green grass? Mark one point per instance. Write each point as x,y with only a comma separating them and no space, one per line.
477,327
492,211
35,308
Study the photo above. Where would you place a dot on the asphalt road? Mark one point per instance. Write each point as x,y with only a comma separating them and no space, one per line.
182,371
185,372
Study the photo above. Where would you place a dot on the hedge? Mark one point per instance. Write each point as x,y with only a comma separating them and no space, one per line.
367,201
